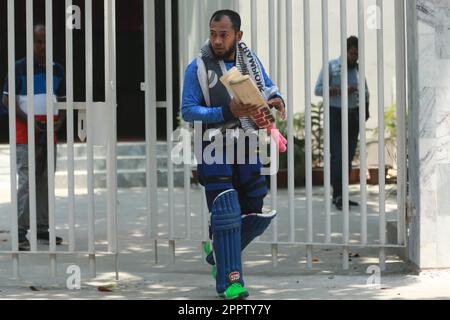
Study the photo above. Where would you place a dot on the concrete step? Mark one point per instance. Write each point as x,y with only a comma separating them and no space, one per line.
125,179
123,162
123,149
131,166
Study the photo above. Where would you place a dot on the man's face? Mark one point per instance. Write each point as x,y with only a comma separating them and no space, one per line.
224,38
39,43
352,57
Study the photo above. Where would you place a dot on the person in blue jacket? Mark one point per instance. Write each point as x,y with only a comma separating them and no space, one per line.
234,192
335,115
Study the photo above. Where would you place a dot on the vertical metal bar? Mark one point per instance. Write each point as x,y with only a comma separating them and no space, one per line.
111,100
12,135
291,181
273,72
281,54
308,115
113,62
90,146
187,196
254,17
114,201
204,215
290,83
326,120
274,156
236,5
50,132
381,160
106,17
308,127
184,38
70,130
116,265
30,119
344,107
150,117
362,118
169,114
401,118
202,26
273,150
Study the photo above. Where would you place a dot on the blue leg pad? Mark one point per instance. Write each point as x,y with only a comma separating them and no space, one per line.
252,227
226,234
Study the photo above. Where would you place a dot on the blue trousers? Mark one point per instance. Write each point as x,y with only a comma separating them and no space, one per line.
246,179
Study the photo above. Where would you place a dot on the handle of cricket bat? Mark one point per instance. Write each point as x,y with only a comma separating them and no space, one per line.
278,137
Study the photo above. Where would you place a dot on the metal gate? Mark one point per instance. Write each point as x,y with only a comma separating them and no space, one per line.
277,58
97,123
106,136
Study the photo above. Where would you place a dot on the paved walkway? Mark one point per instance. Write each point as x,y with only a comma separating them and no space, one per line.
188,277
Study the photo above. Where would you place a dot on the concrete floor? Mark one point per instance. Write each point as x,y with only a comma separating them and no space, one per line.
188,276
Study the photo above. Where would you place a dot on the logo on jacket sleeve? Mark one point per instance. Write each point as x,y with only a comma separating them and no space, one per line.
213,78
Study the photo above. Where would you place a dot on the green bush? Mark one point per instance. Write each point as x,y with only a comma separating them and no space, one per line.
390,132
299,148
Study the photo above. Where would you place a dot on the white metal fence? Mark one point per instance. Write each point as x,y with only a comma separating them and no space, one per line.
108,133
277,58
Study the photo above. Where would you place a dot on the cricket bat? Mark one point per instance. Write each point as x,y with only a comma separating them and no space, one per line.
245,91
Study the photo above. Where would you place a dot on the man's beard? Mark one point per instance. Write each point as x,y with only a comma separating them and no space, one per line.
226,55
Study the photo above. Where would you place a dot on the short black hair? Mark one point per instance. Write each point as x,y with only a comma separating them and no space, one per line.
352,42
233,15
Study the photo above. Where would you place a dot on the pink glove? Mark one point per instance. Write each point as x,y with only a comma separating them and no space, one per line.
278,137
